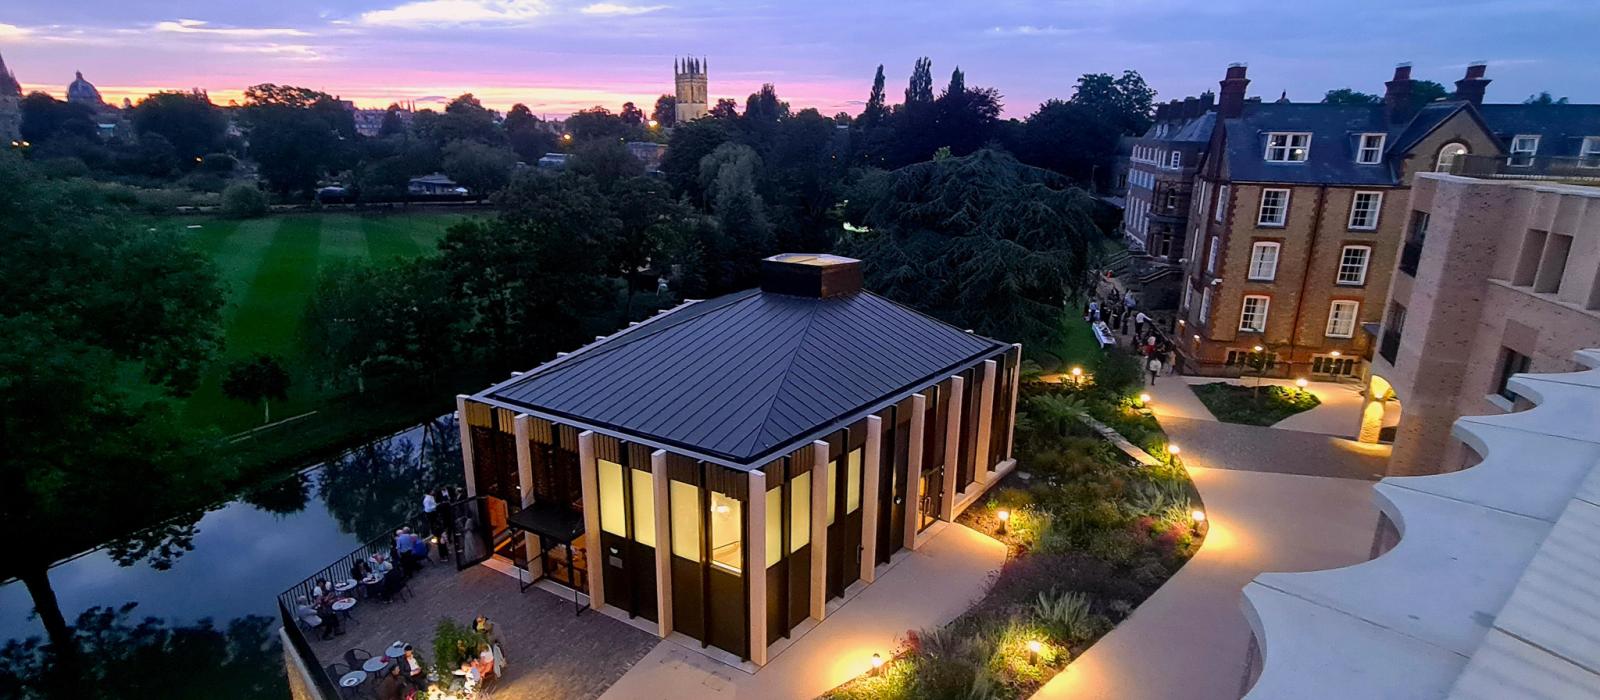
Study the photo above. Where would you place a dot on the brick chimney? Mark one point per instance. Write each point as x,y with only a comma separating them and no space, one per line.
1208,99
1397,94
1231,104
1191,107
1471,88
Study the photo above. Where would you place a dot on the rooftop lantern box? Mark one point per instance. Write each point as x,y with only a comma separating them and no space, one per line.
817,276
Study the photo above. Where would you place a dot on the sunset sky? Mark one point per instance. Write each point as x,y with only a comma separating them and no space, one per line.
560,56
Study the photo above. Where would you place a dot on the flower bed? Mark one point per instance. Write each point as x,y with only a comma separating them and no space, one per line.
1264,405
1090,534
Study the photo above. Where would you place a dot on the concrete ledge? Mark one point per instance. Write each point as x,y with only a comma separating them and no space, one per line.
1122,443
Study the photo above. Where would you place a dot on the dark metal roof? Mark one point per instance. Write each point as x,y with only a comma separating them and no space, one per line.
741,375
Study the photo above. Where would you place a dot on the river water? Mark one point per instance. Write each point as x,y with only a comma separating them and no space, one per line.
189,610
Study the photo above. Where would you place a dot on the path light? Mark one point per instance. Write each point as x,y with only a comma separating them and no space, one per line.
1335,353
1077,375
1199,516
566,137
1033,652
877,664
1004,516
1173,450
1257,348
1301,382
1144,399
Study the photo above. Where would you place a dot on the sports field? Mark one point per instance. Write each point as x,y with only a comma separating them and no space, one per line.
270,267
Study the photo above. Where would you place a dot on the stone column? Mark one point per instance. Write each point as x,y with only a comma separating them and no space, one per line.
985,424
1016,387
869,498
530,541
952,449
820,493
756,567
590,477
913,511
659,483
466,445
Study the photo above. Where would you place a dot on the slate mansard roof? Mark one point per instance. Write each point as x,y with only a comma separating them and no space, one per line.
742,376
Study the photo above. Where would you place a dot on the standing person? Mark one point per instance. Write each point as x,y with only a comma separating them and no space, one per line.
1139,321
1172,359
1127,299
430,510
1154,367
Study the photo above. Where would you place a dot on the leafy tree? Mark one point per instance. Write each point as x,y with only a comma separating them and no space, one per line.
466,119
481,168
1347,96
606,162
631,114
1544,98
1124,101
764,106
384,179
394,122
875,111
187,120
689,144
981,241
920,89
527,134
728,174
651,218
967,118
393,322
218,163
295,134
666,111
1068,138
243,201
45,118
92,446
1426,91
260,379
726,109
600,123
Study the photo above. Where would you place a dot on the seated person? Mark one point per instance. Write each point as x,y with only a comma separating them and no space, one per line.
381,564
412,666
307,614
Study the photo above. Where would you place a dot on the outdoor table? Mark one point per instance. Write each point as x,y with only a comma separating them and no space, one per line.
396,650
343,606
375,664
352,679
345,586
372,579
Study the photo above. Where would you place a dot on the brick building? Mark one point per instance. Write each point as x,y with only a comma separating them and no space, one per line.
1298,213
1160,177
1497,277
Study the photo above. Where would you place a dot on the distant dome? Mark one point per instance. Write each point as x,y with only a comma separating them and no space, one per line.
83,92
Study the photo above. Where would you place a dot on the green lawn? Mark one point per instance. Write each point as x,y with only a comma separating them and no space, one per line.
270,268
1233,403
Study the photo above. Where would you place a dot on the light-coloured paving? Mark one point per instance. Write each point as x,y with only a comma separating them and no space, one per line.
1190,639
926,588
1338,413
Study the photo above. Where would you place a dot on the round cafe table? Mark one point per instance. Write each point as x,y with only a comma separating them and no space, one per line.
345,586
396,650
352,679
375,664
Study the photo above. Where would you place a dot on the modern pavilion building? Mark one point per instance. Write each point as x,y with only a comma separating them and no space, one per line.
728,468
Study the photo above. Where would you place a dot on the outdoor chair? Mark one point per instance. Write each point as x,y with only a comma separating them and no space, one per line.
354,657
336,671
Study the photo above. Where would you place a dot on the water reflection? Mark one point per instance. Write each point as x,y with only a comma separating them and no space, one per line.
144,603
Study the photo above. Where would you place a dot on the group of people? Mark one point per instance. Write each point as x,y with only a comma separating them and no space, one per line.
1119,314
405,679
316,611
485,663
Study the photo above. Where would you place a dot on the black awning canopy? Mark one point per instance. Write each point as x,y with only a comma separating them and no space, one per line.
548,520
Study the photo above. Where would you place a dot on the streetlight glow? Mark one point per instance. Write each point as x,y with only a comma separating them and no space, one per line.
1301,382
1077,371
1174,450
1335,353
1257,348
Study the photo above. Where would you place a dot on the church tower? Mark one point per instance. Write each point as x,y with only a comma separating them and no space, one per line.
689,77
10,106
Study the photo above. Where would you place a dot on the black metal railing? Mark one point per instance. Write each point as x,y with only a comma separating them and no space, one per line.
1527,167
301,647
1410,255
1389,345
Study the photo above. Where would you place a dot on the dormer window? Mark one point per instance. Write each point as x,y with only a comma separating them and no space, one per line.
1175,160
1288,147
1522,149
1371,149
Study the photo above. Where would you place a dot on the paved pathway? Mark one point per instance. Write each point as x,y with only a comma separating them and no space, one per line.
1254,448
1189,640
926,588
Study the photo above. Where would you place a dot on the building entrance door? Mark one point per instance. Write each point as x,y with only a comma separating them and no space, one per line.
930,497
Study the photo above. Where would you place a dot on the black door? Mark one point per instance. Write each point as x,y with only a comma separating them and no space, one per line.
844,533
932,497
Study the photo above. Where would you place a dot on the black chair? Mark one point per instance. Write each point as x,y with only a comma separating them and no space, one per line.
355,657
336,671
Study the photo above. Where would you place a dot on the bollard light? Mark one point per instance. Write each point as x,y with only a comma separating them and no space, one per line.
1033,652
1301,382
1144,398
877,663
1005,517
1173,450
1199,516
1257,348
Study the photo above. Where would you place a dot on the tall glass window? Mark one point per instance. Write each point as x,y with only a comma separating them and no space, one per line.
799,512
685,500
613,515
644,508
727,550
774,525
852,485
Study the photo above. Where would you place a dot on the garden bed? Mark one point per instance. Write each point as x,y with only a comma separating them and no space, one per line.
1090,534
1266,405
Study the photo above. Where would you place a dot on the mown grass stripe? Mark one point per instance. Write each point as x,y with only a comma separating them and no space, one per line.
387,240
343,237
